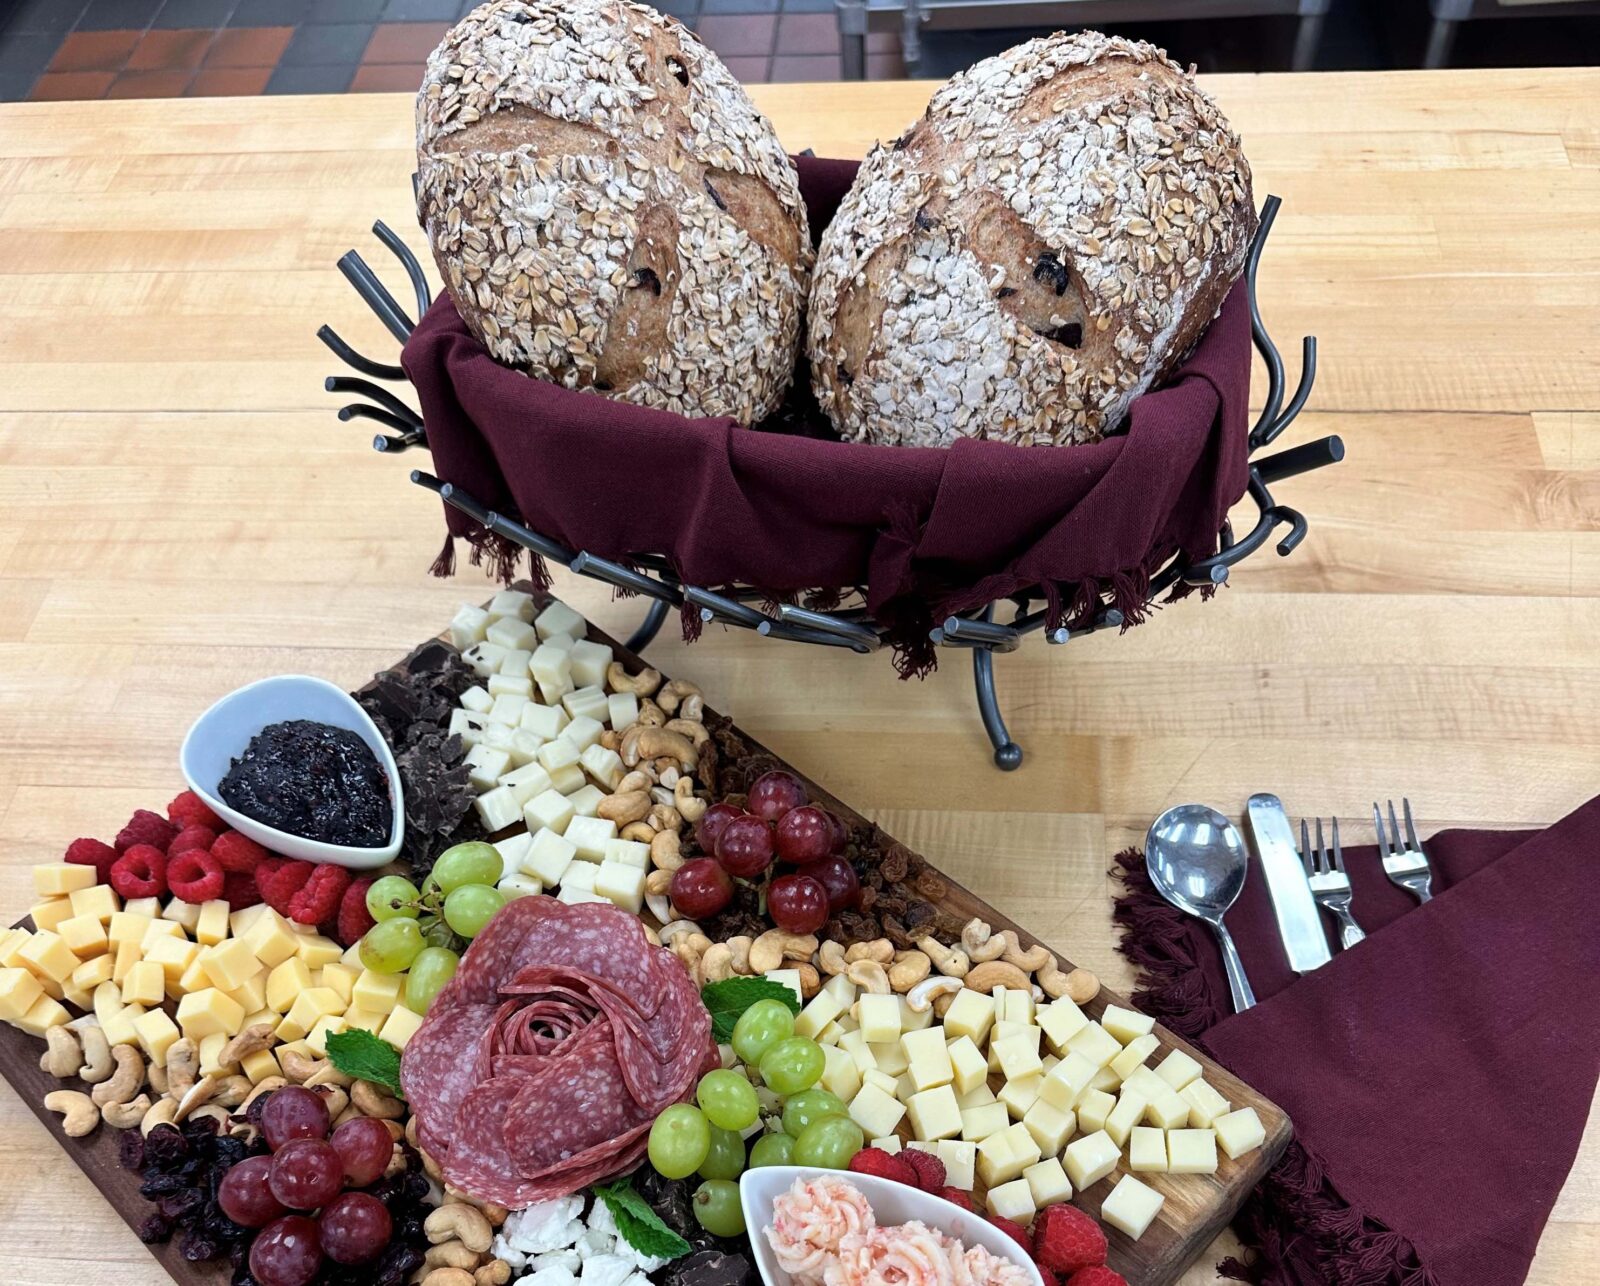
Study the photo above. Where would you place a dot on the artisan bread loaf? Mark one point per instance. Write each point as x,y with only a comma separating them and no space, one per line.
1044,245
608,209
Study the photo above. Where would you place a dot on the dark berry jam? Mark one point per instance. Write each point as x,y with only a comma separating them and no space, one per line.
313,780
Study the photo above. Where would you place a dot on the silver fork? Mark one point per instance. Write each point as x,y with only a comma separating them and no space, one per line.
1404,863
1330,885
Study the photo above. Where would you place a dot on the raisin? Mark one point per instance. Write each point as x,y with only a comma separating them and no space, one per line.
153,1229
130,1150
931,885
896,864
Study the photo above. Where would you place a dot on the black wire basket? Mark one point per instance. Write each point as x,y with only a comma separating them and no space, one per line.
848,625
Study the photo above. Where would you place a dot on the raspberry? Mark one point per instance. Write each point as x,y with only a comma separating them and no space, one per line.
145,827
141,872
188,809
237,853
886,1165
930,1170
1048,1277
1014,1230
1065,1240
239,889
318,898
195,876
91,852
956,1195
354,918
282,883
191,837
1097,1276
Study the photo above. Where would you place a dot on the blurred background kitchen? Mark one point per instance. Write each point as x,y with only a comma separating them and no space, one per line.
68,49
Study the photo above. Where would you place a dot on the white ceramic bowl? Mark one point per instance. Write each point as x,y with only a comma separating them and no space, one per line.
891,1202
222,733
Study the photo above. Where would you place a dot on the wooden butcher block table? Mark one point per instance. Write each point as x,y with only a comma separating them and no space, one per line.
180,513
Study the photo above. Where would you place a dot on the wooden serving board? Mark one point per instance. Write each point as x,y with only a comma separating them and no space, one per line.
1197,1207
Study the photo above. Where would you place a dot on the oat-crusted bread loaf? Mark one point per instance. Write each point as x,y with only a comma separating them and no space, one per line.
609,210
1044,245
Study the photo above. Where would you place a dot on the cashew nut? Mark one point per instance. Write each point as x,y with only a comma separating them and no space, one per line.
78,1113
124,1116
909,968
739,948
328,1074
124,1083
693,708
231,1090
371,1100
162,1112
634,780
980,943
264,1086
650,714
196,1097
643,742
666,850
921,997
183,1067
463,1222
768,951
495,1273
1029,961
334,1099
63,1056
97,1062
1049,979
689,805
448,1277
717,963
664,818
1081,986
252,1040
624,807
953,962
810,980
298,1066
870,976
678,928
673,693
942,1003
695,732
997,973
157,1076
643,684
831,958
450,1254
879,949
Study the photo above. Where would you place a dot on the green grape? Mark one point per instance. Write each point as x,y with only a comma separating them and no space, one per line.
727,1099
725,1157
436,933
472,863
829,1142
792,1065
679,1141
470,907
772,1149
717,1208
799,1110
433,967
432,894
393,897
391,945
760,1027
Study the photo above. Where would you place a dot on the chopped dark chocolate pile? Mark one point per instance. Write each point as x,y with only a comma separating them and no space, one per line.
715,1261
709,1268
313,780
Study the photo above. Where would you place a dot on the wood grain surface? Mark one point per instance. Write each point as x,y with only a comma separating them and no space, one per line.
180,513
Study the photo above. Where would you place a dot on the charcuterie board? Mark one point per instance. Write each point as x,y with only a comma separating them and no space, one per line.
1196,1208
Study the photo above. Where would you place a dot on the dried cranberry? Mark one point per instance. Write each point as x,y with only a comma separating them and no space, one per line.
164,1147
130,1150
154,1229
257,1105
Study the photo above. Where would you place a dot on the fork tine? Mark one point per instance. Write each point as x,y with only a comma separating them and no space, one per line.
1394,830
1322,851
1411,830
1305,850
1383,839
1338,853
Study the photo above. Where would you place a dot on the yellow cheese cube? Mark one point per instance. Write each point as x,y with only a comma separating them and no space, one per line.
128,926
174,955
127,955
1012,1200
840,1075
1050,1127
1061,1020
293,1047
230,964
1169,1111
1126,1024
1093,1107
890,1059
401,1025
364,1019
19,992
145,984
208,1010
934,1114
876,1112
76,995
57,879
377,992
1131,1207
310,1005
1147,1150
11,943
239,922
49,914
1022,1144
1021,1094
324,1027
1095,1043
42,1015
317,950
92,972
157,929
193,978
1019,1057
879,1017
958,1158
1178,1070
119,1028
340,977
252,992
98,900
978,1123
286,981
48,957
1205,1104
211,1052
1239,1132
1191,1151
180,912
352,957
150,908
822,1009
156,1033
968,1064
927,1058
212,926
1090,1159
271,939
1048,1182
83,934
260,1065
107,1000
996,1164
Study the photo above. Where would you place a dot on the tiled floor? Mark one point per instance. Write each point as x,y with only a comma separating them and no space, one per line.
53,49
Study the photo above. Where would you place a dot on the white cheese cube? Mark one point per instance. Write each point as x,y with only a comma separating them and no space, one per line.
1061,1021
1147,1150
621,884
1133,1054
511,602
512,850
977,1096
526,782
568,779
927,1058
1012,1200
559,753
1050,1127
1191,1151
589,835
1068,1079
511,633
886,1083
583,732
549,811
485,766
1177,1069
934,1114
890,1057
500,684
1126,1024
629,852
1205,1104
580,875
978,1123
959,1159
1021,1094
911,1019
466,725
550,665
1106,1080
843,988
477,700
1128,1112
518,885
552,691
970,1014
558,618
1022,1144
876,1111
562,642
968,1064
1047,1182
524,747
515,662
879,1017
497,809
1131,1207
543,721
1170,1111
840,1075
889,1143
1093,1108
604,765
467,625
823,1008
1095,1043
590,702
1147,1083
1239,1132
573,896
995,1163
589,661
1019,1056
622,709
1090,1159
507,708
548,857
1017,1006
790,978
585,800
484,658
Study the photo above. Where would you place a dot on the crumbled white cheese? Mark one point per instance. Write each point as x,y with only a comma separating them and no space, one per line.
546,1225
594,1242
606,1270
555,1275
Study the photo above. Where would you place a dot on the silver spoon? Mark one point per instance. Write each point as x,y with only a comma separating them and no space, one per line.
1197,861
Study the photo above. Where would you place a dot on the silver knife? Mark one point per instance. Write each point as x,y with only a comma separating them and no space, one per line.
1299,925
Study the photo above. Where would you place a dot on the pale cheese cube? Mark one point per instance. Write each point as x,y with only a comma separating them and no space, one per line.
526,782
840,1075
308,1007
485,767
580,878
512,849
1095,1043
890,1057
1061,1020
518,685
523,747
1022,1144
1205,1104
1147,1150
1050,1127
512,634
584,731
59,879
969,1066
1133,1054
970,1014
1106,1081
510,602
1047,1182
889,1143
589,836
1012,1200
377,992
630,852
876,1111
467,625
1191,1151
1067,1080
107,999
180,912
995,1162
548,811
1126,1024
622,710
1093,1108
959,1159
885,1082
843,988
1020,1095
1017,1006
143,906
1147,1083
790,978
20,991
879,1017
1239,1132
285,982
98,900
49,914
823,1008
174,955
559,753
977,1096
551,693
1128,1112
212,926
589,661
260,1065
927,1057
1019,1057
586,703
207,1011
484,658
44,1014
518,885
477,700
84,935
127,926
855,1044
933,1113
499,736
912,1019
619,883
127,955
118,1026
338,977
324,1027
359,1019
544,721
1090,1159
466,725
830,1034
1170,1111
1131,1207
156,1033
603,764
498,808
558,618
585,799
978,1123
1178,1070
507,709
573,895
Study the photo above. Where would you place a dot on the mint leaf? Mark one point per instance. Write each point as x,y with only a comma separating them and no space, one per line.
637,1224
732,996
366,1057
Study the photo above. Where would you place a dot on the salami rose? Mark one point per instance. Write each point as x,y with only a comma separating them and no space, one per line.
543,1062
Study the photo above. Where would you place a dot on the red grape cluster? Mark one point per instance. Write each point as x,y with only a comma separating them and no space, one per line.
777,823
307,1171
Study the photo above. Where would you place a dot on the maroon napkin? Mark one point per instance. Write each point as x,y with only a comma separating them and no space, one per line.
1439,1074
927,532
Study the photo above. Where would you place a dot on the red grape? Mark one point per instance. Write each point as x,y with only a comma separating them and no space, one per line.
293,1112
711,823
365,1148
354,1228
838,879
841,833
805,835
774,794
700,887
797,904
745,847
306,1173
245,1194
286,1253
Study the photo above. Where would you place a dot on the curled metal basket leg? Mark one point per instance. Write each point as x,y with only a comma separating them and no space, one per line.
642,637
1007,753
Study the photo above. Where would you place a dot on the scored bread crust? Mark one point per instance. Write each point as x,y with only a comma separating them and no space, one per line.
608,209
1046,243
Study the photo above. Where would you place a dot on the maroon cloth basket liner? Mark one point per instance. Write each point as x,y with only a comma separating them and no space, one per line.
926,532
